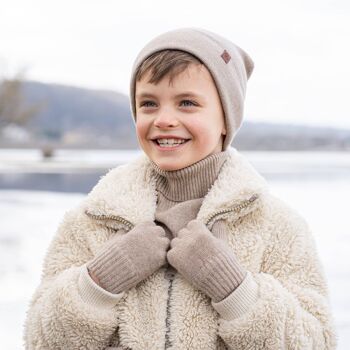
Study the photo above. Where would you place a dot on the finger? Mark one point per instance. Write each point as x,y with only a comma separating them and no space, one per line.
165,242
196,225
148,223
170,256
160,230
174,242
183,232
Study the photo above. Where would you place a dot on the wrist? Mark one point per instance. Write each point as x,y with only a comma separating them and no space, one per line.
94,277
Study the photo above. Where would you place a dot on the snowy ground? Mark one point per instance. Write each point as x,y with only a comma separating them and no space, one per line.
30,218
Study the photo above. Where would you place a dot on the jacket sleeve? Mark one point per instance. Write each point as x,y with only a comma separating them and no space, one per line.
286,304
69,310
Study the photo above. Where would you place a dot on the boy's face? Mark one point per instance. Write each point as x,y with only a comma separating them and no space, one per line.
190,108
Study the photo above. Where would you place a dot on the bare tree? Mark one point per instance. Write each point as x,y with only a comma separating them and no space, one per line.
13,109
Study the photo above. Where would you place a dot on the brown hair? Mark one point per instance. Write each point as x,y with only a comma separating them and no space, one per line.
164,62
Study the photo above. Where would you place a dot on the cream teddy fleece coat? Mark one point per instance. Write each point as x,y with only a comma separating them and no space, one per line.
288,308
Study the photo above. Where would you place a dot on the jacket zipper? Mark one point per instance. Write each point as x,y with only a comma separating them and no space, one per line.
237,208
130,225
120,219
170,276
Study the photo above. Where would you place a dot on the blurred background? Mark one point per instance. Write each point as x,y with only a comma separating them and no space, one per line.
65,119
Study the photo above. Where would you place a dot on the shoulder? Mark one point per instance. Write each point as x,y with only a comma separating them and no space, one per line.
122,175
73,229
285,226
75,221
280,212
275,221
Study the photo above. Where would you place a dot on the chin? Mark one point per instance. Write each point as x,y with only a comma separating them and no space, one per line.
170,167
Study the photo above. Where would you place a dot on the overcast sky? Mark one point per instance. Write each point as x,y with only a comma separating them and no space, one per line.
300,48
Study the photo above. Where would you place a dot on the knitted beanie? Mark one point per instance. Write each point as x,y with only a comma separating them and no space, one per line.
229,65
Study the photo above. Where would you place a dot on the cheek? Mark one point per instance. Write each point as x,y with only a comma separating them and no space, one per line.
141,128
202,130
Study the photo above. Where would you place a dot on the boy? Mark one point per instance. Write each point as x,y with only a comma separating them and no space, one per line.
184,248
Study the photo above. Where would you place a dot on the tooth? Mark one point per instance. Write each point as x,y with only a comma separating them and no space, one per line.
170,142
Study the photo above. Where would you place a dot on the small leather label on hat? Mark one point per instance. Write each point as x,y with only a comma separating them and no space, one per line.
226,56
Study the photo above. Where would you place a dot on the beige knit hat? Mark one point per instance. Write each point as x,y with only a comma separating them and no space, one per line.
229,65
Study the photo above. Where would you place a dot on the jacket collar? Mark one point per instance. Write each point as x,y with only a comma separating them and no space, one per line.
128,192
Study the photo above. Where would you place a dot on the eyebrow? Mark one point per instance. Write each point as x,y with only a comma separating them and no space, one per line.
182,95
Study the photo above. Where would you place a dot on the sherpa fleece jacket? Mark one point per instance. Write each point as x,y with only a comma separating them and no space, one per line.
289,309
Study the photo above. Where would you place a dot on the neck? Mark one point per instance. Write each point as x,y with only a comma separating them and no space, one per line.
190,182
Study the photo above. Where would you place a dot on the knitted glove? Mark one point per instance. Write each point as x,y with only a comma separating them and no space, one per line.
126,260
205,261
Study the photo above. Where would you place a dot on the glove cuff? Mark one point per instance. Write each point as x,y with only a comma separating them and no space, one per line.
221,275
114,270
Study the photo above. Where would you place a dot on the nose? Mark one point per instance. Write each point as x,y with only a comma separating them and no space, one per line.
165,119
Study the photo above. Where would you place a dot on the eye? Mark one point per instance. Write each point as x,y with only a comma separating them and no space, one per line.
191,103
146,104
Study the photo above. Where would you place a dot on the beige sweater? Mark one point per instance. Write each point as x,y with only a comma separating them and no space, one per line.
180,196
181,192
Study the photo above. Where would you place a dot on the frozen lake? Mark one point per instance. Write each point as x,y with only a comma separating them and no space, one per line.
316,184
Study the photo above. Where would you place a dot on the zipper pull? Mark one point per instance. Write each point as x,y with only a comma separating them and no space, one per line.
243,204
126,224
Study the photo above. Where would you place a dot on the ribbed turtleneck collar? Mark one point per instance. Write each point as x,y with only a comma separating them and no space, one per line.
190,182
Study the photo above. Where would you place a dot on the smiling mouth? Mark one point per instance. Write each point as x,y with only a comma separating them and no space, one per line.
168,145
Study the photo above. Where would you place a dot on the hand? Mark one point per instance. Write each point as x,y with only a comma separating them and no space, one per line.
205,261
126,260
